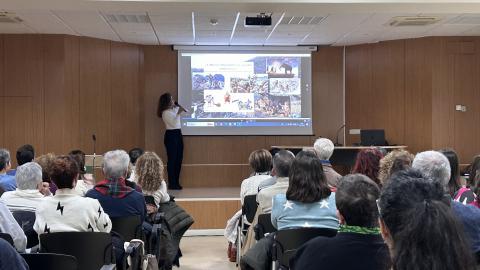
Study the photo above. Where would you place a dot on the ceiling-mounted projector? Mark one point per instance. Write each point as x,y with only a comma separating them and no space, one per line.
261,19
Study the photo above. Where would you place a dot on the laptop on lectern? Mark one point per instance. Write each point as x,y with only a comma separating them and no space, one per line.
372,137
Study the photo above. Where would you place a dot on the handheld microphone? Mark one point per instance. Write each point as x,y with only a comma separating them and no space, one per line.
176,104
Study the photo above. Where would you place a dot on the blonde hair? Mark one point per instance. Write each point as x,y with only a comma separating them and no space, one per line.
149,171
387,162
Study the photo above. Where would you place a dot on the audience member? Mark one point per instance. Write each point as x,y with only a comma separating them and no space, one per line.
368,163
10,259
134,154
84,180
281,169
394,161
454,183
150,175
261,163
7,182
324,149
435,166
46,162
417,223
30,191
9,225
308,201
470,194
67,211
25,153
359,237
116,198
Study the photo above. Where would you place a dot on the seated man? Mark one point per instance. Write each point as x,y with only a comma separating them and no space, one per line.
434,165
29,190
25,153
359,237
116,198
324,149
7,182
281,168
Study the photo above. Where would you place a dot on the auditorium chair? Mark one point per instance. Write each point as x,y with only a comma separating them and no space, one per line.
26,219
264,226
249,209
93,250
50,261
128,227
286,243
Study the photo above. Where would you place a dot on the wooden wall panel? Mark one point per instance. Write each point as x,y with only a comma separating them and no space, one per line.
201,212
95,94
24,77
2,107
418,94
19,123
126,97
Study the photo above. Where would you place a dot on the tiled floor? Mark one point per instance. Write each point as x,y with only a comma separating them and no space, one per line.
205,253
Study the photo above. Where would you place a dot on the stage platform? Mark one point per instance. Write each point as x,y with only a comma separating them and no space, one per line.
209,207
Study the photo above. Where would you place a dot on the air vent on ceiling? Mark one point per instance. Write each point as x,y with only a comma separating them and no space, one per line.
466,19
127,18
8,17
413,20
301,20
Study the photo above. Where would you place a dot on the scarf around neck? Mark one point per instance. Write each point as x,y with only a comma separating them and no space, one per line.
359,230
115,188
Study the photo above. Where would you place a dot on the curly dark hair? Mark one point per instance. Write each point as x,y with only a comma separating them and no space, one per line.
307,182
424,230
164,103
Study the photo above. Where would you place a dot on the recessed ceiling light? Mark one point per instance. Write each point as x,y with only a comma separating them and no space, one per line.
213,22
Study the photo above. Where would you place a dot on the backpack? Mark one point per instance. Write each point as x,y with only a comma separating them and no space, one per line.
161,243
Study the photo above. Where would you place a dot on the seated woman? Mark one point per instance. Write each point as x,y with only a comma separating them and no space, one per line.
149,174
67,211
309,202
85,180
261,163
368,163
470,194
392,162
421,230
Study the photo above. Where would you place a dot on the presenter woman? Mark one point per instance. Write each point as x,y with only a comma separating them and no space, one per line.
169,111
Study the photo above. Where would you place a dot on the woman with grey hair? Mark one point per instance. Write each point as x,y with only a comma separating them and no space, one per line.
117,198
30,189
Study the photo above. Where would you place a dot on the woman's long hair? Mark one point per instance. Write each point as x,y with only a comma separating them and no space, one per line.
368,163
149,171
424,230
452,157
307,182
163,103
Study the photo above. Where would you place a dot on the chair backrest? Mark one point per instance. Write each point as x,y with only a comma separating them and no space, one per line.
288,241
128,227
26,219
7,237
264,226
92,249
50,261
249,207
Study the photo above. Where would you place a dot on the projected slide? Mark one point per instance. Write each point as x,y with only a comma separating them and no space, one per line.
241,93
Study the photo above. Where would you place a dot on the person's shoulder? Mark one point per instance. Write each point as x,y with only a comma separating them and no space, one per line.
7,195
279,198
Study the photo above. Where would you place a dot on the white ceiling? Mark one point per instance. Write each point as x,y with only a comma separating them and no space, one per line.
188,22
